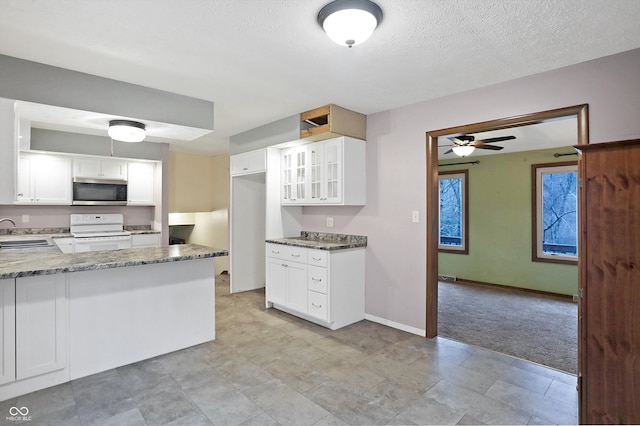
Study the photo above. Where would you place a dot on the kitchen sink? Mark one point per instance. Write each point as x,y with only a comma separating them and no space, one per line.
17,244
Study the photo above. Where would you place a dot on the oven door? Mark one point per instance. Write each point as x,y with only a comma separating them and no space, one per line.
85,244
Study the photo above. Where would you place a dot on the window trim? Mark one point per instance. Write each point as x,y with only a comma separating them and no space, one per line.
464,173
536,227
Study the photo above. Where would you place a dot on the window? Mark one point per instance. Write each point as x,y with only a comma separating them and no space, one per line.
453,212
555,212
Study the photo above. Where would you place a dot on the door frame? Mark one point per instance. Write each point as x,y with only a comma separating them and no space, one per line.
581,112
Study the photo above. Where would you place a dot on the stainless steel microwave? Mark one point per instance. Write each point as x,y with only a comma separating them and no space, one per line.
99,192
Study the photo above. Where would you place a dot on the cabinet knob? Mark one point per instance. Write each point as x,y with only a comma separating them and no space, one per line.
245,168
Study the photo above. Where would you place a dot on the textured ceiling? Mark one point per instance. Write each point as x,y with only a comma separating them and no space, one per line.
262,60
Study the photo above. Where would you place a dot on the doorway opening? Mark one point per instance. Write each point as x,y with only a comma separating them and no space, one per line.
580,112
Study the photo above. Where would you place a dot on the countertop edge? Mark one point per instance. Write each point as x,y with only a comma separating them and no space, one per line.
89,265
316,245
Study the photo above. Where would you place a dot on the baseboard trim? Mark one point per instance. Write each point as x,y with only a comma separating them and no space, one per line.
396,325
508,287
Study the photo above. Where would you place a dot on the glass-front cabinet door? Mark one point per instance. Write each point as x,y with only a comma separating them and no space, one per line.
316,185
294,175
333,171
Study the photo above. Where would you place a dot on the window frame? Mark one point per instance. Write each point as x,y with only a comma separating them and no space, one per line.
536,215
464,249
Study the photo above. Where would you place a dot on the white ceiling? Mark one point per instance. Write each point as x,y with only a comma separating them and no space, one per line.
263,60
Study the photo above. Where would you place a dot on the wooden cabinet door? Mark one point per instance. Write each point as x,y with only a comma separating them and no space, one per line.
41,324
609,341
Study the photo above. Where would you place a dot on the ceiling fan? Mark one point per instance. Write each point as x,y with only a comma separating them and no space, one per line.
464,145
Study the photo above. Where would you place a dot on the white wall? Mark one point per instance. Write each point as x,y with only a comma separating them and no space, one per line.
396,166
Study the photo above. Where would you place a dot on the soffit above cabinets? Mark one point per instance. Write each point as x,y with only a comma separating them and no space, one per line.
94,123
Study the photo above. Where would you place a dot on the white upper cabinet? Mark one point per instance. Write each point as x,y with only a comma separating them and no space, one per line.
140,186
99,168
248,162
293,177
43,179
331,172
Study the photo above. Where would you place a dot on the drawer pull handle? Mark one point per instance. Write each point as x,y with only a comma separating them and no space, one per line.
295,255
317,259
285,265
275,252
245,168
316,306
316,279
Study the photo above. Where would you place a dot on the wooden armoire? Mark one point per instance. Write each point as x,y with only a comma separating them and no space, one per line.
609,306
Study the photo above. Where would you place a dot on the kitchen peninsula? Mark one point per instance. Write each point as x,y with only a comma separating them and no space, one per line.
66,316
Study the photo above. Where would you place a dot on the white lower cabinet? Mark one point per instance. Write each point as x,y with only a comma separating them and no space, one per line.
145,240
320,286
35,317
41,325
8,330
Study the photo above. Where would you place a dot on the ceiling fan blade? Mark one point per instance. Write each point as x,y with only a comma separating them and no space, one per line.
498,139
492,147
448,152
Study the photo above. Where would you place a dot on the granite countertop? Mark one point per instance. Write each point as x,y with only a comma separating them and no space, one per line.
50,260
323,241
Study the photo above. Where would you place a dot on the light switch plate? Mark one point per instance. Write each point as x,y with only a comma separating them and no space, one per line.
329,222
415,216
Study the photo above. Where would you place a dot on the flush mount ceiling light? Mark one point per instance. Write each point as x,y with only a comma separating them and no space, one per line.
463,150
350,22
126,131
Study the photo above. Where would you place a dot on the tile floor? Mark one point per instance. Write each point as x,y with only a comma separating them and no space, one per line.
267,367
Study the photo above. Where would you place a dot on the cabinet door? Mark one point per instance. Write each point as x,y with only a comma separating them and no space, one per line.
248,162
300,189
25,183
276,281
297,286
52,180
145,240
86,167
7,330
316,173
41,325
140,185
44,179
333,171
113,169
287,177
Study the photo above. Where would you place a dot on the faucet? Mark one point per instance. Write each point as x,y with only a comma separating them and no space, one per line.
8,220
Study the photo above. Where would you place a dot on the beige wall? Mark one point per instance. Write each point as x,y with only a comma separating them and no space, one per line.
199,184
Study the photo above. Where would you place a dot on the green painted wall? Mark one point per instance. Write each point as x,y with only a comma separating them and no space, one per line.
500,226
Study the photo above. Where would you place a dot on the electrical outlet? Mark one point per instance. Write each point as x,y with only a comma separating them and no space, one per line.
25,218
329,222
575,297
415,216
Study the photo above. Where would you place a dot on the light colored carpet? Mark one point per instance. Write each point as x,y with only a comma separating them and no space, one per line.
538,328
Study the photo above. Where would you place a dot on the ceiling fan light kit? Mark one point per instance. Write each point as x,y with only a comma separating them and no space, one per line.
464,145
350,22
463,150
127,131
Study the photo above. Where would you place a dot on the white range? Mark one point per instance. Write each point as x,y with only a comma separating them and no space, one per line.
96,232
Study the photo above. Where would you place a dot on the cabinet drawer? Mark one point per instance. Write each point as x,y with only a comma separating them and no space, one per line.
317,305
317,279
317,257
288,253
